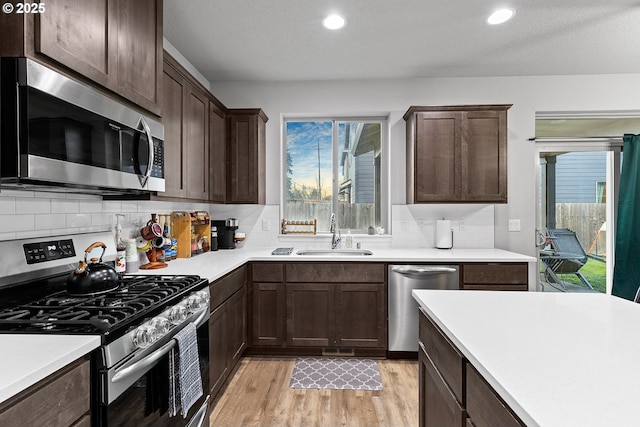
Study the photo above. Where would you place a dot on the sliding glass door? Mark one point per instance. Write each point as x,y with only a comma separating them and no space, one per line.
576,211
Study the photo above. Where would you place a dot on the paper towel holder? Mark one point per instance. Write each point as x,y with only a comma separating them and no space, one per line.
440,244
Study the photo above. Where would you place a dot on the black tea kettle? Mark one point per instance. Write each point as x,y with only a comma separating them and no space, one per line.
94,277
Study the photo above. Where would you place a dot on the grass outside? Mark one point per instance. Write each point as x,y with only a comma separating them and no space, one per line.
594,271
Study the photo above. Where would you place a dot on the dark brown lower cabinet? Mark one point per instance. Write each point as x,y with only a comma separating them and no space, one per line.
348,315
310,314
237,324
227,338
442,368
319,305
62,399
438,406
361,319
227,326
267,314
218,351
506,276
485,407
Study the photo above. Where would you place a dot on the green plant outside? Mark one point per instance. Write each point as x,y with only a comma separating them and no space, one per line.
594,271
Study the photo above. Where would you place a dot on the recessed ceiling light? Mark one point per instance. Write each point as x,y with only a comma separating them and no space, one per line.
334,22
500,16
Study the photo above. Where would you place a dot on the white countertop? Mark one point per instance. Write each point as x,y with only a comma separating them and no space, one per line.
557,359
27,359
213,265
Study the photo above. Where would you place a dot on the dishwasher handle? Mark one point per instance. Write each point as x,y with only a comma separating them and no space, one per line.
426,270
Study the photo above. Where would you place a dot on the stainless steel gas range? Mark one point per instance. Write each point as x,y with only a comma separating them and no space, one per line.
136,323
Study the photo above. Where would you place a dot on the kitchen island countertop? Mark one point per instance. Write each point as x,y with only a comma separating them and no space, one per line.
557,359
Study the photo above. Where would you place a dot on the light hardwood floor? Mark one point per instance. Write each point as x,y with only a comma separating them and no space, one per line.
259,395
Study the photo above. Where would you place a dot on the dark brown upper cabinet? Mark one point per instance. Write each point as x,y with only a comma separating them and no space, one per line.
246,156
217,154
211,153
173,108
139,52
114,43
186,107
197,137
457,154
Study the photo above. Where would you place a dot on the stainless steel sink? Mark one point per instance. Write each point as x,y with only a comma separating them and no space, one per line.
334,252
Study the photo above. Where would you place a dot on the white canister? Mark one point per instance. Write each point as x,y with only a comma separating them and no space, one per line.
133,264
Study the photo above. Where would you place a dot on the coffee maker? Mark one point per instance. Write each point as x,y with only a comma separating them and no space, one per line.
226,232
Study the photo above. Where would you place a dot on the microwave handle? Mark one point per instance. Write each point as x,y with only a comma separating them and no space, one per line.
145,127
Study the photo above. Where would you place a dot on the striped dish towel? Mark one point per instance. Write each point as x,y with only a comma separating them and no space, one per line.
185,382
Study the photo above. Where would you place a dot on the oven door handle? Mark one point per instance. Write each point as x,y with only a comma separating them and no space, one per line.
141,365
198,419
203,317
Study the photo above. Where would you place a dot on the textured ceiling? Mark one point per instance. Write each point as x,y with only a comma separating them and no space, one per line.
283,40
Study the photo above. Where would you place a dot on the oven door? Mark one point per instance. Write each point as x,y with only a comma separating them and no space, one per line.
145,401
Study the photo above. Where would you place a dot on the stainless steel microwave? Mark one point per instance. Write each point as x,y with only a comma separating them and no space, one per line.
58,134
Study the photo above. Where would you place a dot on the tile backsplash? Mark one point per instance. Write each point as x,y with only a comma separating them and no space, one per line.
28,214
25,214
414,225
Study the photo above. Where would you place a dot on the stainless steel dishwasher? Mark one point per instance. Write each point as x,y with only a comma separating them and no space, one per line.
403,309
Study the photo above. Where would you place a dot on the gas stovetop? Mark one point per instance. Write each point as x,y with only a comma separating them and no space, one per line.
43,306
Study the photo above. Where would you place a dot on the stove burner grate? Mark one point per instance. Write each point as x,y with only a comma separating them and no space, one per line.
135,298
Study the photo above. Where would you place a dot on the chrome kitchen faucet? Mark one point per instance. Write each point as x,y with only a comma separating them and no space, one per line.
332,228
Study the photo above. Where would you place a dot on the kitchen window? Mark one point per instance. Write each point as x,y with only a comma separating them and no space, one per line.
336,165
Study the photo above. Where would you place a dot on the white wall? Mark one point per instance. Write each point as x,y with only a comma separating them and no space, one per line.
393,97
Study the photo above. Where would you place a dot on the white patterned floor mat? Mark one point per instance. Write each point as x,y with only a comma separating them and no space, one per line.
336,373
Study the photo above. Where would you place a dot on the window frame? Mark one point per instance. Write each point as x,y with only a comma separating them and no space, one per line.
385,180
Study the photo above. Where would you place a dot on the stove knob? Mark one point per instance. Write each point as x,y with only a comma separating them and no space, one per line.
144,336
205,296
177,314
161,324
194,303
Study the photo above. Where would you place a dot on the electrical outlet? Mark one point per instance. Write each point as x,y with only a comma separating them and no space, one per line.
265,225
422,224
404,225
514,225
461,225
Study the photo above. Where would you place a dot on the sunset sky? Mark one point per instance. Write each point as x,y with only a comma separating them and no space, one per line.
302,144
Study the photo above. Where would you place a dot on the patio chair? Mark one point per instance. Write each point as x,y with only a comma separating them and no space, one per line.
566,256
